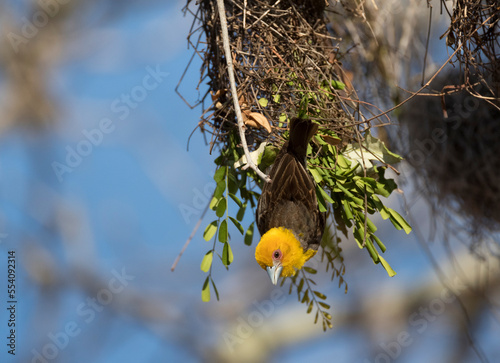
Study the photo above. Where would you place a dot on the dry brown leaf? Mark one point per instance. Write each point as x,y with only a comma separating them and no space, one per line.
241,98
261,120
331,140
218,94
244,116
251,123
215,96
331,58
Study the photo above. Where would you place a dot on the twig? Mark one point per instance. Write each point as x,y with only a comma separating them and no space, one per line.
230,71
195,229
265,13
358,134
313,295
427,42
245,14
460,46
420,90
442,279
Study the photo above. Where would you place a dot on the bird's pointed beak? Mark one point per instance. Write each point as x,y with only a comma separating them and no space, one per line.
274,273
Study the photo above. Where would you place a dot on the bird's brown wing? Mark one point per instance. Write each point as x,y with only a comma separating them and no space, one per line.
290,201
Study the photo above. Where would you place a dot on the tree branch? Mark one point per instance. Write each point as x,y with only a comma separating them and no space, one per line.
193,232
230,71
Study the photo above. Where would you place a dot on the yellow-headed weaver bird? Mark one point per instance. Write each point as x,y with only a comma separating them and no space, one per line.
288,217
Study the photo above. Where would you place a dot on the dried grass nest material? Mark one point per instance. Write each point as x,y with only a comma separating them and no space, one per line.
475,26
282,50
454,147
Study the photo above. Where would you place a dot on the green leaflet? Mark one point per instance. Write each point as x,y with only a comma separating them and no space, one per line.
206,263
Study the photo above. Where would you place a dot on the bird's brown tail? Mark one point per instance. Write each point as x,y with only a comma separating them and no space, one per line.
301,131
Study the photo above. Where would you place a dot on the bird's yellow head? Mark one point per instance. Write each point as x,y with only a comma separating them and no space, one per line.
280,253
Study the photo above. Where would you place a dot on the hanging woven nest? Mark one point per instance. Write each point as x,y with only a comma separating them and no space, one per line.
475,29
454,147
282,55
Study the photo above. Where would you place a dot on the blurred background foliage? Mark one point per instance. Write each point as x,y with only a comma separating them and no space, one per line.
128,195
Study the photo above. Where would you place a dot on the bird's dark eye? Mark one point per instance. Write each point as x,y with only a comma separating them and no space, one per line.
277,254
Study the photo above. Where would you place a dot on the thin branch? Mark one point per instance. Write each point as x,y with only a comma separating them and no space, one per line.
230,71
195,229
443,280
265,13
420,90
427,42
460,46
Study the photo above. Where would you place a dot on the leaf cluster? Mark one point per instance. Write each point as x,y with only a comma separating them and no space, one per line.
354,194
231,190
310,297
